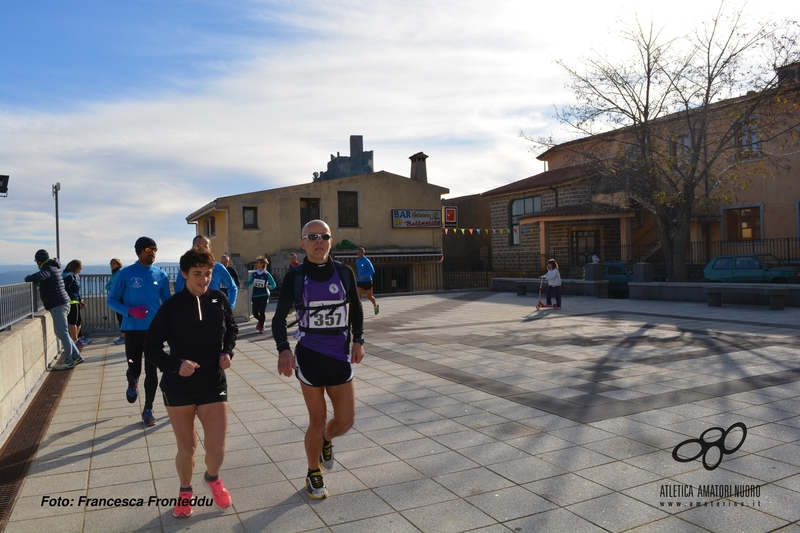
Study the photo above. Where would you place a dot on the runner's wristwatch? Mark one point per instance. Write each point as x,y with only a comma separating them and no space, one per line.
359,340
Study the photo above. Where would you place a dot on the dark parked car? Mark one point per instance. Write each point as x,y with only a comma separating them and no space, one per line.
617,275
750,268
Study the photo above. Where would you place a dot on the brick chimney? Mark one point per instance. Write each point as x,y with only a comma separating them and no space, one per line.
419,171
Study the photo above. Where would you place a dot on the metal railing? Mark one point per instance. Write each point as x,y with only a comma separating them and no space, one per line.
18,302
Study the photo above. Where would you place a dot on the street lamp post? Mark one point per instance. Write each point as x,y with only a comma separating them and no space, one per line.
56,188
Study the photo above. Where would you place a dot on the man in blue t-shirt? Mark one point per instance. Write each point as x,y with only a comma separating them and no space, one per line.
364,281
137,294
219,275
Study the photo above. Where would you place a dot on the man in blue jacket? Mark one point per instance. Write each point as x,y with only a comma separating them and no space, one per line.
202,244
55,299
137,294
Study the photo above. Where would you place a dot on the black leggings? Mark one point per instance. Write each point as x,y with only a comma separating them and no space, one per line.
260,308
134,351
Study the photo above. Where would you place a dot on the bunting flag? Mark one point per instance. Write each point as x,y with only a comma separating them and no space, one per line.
470,231
494,231
462,231
479,231
445,230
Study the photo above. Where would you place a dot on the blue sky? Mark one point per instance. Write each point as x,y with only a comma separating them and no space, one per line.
146,110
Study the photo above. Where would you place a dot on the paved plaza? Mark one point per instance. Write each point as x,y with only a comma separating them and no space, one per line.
474,413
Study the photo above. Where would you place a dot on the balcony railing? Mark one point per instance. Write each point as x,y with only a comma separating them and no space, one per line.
18,302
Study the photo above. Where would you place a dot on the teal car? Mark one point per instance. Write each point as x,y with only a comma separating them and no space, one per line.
750,268
618,277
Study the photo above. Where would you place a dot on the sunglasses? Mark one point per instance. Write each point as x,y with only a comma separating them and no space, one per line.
314,236
150,249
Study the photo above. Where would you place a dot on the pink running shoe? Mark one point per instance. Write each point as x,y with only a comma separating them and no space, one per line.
222,498
183,508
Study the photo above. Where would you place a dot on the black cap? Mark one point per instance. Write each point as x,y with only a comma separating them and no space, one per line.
144,242
41,256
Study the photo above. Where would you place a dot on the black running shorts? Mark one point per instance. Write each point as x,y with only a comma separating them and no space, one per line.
366,285
178,399
319,370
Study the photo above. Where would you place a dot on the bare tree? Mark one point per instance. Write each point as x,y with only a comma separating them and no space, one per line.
674,123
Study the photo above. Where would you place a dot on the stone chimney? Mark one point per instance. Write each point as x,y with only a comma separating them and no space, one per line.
419,171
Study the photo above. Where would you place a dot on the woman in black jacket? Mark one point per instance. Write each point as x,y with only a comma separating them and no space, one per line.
198,325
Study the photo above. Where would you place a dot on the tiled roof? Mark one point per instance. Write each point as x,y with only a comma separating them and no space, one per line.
545,179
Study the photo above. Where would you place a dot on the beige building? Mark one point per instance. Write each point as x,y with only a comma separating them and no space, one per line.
397,219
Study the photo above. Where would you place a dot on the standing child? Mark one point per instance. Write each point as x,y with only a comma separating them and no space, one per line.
262,282
553,278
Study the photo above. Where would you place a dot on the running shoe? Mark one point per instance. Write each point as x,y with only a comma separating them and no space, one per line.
222,498
133,391
86,340
377,309
316,486
326,457
64,366
119,341
81,344
556,307
148,418
183,508
79,361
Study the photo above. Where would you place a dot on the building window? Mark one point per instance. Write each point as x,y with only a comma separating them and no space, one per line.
743,224
250,217
309,210
519,207
748,142
210,227
348,209
679,149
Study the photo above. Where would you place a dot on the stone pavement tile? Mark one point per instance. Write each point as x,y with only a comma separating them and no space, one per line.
786,453
726,519
616,512
661,438
242,458
352,440
778,501
549,423
416,493
567,489
440,427
507,430
417,416
575,458
473,481
374,455
671,524
656,417
448,517
116,475
61,460
779,431
539,443
625,425
442,463
392,435
55,504
618,475
354,506
492,452
263,496
510,503
120,519
67,522
479,420
66,482
397,407
251,476
771,412
761,468
375,423
456,410
285,436
388,523
581,434
522,471
554,521
267,425
202,521
415,448
385,473
283,518
663,465
619,447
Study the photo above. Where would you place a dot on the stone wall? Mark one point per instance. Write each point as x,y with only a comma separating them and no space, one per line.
25,351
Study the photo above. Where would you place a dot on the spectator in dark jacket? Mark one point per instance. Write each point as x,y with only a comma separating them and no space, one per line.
55,299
